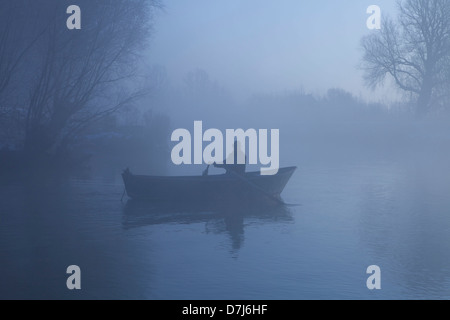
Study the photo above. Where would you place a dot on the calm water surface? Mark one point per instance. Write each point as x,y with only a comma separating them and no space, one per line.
394,214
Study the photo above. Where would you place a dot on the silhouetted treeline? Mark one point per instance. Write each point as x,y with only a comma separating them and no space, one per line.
336,104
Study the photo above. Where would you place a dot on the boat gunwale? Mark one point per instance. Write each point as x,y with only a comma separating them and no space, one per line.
253,174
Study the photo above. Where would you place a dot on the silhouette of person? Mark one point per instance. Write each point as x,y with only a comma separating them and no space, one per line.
235,167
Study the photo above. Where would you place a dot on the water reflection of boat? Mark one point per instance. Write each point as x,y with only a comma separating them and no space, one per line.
250,187
230,219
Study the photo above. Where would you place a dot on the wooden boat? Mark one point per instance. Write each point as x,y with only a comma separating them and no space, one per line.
213,189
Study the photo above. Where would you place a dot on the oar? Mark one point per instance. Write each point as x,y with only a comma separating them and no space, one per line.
123,195
205,172
256,187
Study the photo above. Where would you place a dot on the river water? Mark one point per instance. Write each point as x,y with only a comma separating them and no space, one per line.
353,214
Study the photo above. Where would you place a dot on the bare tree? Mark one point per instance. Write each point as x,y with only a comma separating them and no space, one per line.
69,78
414,51
15,42
18,35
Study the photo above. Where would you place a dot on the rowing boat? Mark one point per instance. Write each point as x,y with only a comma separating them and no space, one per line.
251,186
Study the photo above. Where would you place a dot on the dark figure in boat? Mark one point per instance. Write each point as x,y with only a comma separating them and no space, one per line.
235,167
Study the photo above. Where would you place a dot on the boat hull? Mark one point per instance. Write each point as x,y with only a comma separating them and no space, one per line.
215,188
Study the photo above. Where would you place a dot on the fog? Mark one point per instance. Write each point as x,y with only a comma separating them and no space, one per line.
294,66
298,67
256,47
363,118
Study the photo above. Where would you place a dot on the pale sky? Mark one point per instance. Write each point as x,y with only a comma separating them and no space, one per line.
254,46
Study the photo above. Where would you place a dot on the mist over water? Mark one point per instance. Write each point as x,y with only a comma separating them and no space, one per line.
372,179
354,214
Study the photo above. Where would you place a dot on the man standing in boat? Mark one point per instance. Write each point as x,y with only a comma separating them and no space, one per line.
230,165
